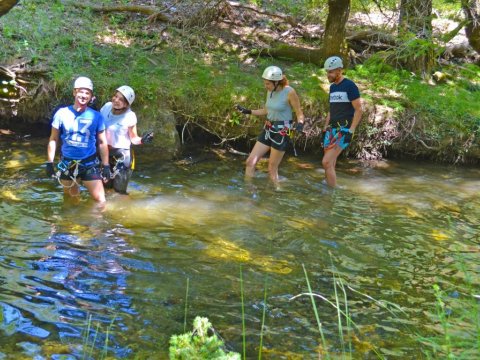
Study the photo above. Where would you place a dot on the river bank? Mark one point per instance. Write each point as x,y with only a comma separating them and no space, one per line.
187,83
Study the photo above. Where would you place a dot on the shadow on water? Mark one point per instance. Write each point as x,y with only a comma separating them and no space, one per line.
391,231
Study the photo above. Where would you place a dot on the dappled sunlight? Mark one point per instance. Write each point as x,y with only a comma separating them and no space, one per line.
220,248
20,158
115,38
440,235
181,212
412,213
9,195
415,193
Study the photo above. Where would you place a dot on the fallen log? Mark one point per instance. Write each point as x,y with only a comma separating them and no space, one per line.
293,52
154,13
6,6
288,19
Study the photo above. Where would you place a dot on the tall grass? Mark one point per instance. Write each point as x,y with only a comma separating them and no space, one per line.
90,343
457,321
244,343
264,311
186,307
263,318
315,311
345,324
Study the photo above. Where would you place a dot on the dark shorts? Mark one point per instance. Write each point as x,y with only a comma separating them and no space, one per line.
120,158
120,163
86,169
277,140
334,137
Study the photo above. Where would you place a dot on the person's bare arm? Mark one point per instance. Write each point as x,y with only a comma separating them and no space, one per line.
134,138
357,116
102,147
294,102
327,122
259,112
52,144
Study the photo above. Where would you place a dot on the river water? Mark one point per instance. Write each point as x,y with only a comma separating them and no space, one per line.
388,234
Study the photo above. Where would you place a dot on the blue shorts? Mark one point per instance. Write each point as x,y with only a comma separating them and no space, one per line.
334,137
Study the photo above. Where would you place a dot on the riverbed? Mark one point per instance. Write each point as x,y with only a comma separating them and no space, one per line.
140,270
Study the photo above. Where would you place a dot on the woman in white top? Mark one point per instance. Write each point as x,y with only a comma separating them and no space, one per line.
121,132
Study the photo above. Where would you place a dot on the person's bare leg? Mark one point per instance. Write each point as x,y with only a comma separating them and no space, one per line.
274,161
329,161
71,191
96,190
255,155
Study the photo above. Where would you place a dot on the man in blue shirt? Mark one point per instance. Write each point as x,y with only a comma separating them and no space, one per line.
81,129
342,119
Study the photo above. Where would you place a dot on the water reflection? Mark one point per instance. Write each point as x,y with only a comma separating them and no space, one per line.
390,232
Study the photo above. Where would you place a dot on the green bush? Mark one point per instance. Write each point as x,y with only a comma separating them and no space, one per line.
199,345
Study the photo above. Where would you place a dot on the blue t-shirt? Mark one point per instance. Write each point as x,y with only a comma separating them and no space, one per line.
78,131
341,97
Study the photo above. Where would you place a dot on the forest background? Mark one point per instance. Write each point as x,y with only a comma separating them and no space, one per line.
416,63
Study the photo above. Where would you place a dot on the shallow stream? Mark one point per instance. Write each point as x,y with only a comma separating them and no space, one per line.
388,234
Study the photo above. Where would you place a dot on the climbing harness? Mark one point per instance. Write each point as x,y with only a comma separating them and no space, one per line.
71,168
119,162
284,131
119,165
65,167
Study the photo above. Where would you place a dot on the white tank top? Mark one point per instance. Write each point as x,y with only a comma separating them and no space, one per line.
116,126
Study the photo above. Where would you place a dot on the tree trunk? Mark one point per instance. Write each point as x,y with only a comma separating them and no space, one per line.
471,9
415,28
334,36
6,6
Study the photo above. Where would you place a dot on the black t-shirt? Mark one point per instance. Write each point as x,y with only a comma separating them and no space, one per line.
341,97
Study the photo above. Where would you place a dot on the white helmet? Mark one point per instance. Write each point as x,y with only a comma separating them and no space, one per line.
83,82
273,73
127,93
333,62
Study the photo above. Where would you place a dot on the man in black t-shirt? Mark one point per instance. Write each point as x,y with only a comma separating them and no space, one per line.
342,119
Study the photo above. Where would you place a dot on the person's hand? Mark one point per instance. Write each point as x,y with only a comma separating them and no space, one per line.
147,138
106,173
49,170
346,135
298,127
243,110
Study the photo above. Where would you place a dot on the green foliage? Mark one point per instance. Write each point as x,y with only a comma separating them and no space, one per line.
369,5
199,345
458,325
447,5
446,116
200,77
